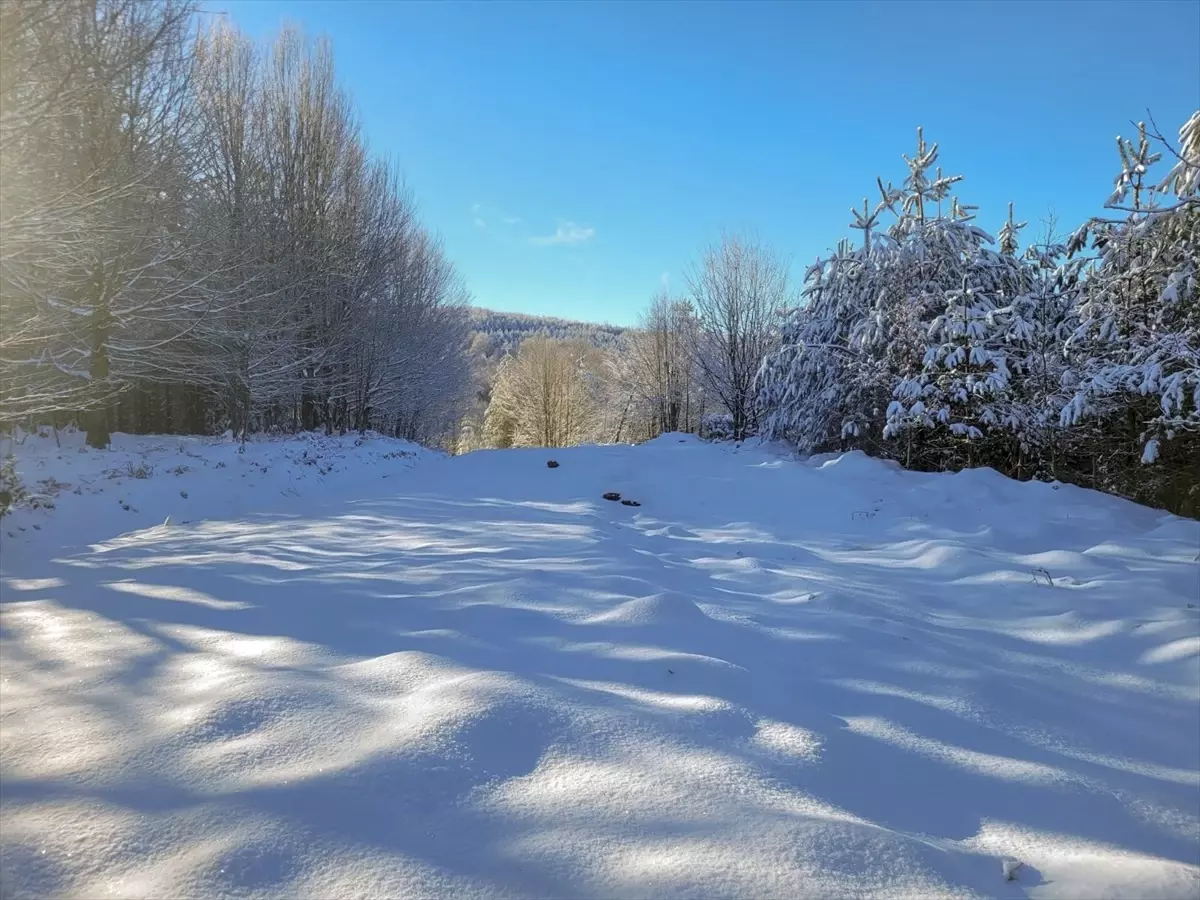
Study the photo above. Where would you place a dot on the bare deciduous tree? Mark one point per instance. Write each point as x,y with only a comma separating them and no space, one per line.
655,368
193,234
546,396
738,290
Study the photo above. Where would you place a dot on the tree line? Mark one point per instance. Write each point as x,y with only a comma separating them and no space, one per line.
689,365
1074,357
195,236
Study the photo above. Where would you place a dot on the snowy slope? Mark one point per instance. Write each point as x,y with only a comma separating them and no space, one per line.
411,675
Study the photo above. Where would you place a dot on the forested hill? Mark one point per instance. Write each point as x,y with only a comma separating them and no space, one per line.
506,330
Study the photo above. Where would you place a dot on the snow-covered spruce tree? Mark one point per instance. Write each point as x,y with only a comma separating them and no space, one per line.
926,344
859,364
1035,327
1050,363
991,374
958,393
964,373
1135,356
812,385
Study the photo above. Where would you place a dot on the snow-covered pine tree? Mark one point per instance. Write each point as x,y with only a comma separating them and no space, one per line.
806,386
1035,326
1007,239
864,331
1135,355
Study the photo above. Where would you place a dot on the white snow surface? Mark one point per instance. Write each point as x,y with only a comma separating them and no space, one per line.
370,670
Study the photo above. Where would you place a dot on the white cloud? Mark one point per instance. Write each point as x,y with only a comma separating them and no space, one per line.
665,280
483,215
566,233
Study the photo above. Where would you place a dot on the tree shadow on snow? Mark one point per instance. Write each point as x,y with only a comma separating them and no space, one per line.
557,625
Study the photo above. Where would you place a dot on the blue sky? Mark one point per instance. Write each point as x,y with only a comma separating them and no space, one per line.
575,157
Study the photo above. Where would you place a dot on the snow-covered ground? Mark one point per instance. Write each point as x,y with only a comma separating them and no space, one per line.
371,670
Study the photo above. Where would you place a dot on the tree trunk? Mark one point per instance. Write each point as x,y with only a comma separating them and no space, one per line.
97,418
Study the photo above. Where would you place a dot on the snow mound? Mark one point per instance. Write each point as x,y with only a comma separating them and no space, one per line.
142,482
349,667
667,608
